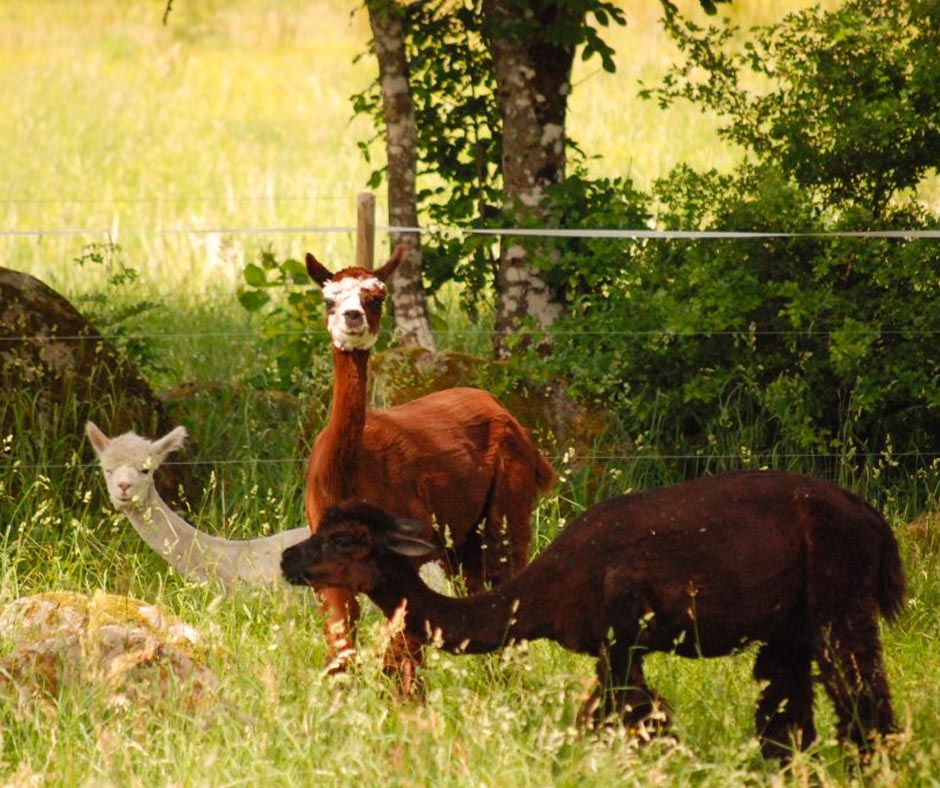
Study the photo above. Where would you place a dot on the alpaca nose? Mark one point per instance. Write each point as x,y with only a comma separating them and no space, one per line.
125,486
354,318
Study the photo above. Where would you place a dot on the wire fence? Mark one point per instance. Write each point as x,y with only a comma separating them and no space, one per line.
570,233
753,458
546,232
638,234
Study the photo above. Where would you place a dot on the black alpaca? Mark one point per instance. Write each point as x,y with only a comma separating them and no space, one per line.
698,569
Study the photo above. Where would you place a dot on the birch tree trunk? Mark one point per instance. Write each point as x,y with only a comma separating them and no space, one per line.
408,297
533,79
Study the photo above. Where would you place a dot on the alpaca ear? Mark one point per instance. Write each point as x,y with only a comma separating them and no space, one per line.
383,273
409,546
318,272
172,441
404,539
99,441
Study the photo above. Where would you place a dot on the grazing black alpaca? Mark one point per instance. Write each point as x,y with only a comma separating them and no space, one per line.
698,569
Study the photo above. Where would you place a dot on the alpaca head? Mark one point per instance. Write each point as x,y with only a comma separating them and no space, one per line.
344,550
353,299
129,462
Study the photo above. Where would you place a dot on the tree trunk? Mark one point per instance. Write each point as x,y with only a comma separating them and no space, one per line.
408,297
533,79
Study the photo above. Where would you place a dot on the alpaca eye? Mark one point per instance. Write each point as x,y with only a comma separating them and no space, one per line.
145,471
329,303
344,544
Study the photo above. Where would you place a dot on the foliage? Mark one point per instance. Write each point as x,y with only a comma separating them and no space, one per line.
282,293
823,344
114,309
278,719
459,126
587,266
855,114
814,338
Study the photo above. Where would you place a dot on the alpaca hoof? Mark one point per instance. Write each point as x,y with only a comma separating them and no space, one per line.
651,721
646,718
406,682
780,740
775,750
589,715
340,663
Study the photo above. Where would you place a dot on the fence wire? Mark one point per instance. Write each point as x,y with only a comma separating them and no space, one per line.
572,233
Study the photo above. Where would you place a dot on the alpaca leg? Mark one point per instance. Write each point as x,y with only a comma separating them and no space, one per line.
622,692
784,715
402,659
340,613
852,669
507,530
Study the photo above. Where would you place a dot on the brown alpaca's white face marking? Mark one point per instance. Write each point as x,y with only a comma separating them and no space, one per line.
353,310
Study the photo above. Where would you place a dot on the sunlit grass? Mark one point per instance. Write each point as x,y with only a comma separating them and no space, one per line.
505,719
632,137
232,116
500,720
237,115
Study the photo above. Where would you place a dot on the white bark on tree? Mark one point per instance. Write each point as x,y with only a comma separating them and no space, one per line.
408,297
533,83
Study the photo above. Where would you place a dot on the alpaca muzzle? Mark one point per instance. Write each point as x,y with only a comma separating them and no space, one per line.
296,564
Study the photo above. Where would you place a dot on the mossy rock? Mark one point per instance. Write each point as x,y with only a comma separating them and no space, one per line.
132,652
558,422
57,373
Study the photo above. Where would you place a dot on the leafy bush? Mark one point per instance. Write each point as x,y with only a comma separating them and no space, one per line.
814,344
459,126
854,116
282,293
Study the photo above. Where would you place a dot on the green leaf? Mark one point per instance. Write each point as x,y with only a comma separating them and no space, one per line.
253,300
296,270
255,276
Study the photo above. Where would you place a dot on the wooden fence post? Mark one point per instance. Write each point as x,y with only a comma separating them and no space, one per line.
365,230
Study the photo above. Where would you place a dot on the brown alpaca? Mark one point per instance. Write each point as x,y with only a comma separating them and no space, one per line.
456,460
698,569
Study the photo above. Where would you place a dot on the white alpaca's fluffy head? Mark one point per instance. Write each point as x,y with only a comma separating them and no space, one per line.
129,462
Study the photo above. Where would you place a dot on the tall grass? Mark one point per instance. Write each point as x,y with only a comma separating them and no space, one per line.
501,720
236,114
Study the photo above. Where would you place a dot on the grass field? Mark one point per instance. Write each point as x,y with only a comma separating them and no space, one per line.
236,115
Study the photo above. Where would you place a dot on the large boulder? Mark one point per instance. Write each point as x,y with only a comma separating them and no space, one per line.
57,371
132,652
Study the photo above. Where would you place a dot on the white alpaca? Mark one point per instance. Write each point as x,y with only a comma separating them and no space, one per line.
129,462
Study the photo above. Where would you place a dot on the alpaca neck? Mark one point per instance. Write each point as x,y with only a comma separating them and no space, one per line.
472,625
339,443
201,556
190,552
